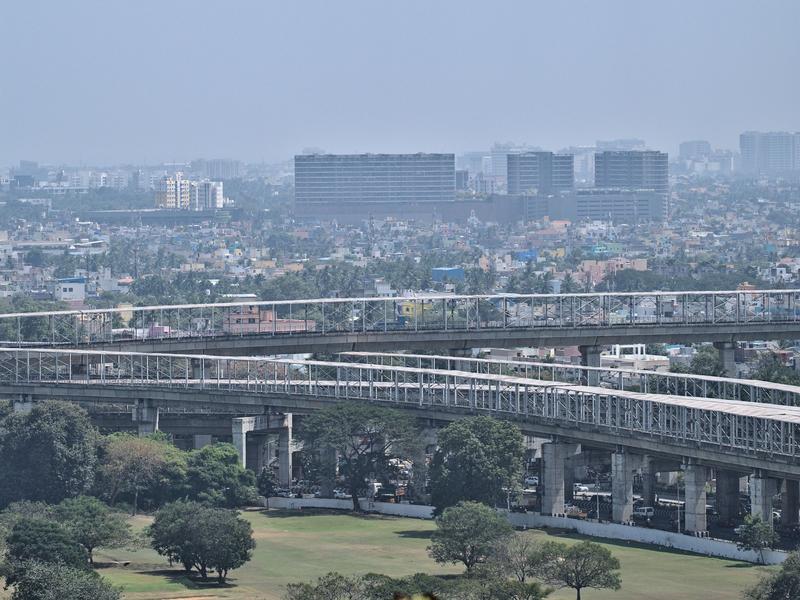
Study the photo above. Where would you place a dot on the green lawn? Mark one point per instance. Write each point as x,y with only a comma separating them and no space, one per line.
300,547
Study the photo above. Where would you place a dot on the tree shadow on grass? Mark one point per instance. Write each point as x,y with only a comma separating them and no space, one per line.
418,534
284,513
190,582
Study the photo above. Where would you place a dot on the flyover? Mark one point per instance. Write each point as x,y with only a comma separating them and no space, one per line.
449,322
730,436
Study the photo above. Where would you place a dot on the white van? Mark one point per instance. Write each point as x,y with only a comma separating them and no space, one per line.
644,512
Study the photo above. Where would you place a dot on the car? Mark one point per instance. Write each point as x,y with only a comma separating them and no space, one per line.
341,495
644,512
579,487
532,480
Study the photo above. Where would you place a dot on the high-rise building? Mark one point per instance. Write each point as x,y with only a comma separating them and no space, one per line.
632,170
462,180
544,172
623,144
173,191
374,178
207,195
769,153
694,150
220,169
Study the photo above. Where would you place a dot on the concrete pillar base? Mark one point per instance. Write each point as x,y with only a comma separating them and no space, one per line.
727,495
790,502
695,477
727,356
554,454
590,357
623,464
145,414
285,453
762,489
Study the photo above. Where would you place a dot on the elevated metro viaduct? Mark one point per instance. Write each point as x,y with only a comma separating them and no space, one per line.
641,430
424,322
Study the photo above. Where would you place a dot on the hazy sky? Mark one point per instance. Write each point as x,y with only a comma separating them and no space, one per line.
111,81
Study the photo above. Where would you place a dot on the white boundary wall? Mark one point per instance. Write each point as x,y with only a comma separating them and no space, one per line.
612,531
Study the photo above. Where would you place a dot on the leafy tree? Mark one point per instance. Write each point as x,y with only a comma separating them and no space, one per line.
202,537
706,361
364,436
586,565
467,533
48,454
215,475
92,524
139,465
569,285
521,557
266,482
48,581
756,535
476,459
36,539
771,369
783,585
21,510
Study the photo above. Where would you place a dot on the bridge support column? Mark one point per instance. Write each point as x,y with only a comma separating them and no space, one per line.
145,414
727,355
200,440
239,428
554,455
695,477
285,453
648,481
727,495
196,365
590,357
790,502
762,489
623,464
23,404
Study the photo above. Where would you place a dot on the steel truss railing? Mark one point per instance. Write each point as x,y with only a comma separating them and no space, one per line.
419,313
673,420
636,380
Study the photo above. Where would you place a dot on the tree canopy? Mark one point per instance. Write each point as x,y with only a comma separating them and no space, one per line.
364,436
47,454
467,533
202,537
92,524
53,581
478,458
585,565
215,475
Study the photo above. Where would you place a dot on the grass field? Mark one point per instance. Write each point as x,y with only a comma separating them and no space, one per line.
300,547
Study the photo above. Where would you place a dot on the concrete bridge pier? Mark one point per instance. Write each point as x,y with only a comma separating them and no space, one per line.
22,404
145,414
590,357
790,502
648,475
199,440
762,490
554,456
727,495
623,465
282,424
285,453
727,355
695,477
